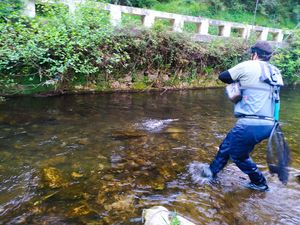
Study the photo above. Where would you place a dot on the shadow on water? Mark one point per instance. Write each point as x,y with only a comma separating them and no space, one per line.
102,159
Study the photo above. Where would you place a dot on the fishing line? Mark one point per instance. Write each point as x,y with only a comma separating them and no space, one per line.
248,34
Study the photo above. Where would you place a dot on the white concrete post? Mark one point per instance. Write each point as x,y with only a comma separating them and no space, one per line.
29,8
247,32
115,15
178,23
264,34
202,28
278,36
225,30
148,20
72,6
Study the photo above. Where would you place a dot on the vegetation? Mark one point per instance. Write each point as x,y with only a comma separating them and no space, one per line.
275,13
9,8
288,60
56,51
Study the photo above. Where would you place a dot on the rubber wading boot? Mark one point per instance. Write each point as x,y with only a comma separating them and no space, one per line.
257,187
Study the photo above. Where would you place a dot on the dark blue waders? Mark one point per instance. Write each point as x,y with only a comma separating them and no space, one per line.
237,146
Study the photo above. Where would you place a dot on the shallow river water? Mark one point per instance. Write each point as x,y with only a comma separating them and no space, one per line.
102,159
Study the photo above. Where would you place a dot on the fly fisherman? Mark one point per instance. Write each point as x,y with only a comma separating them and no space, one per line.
255,112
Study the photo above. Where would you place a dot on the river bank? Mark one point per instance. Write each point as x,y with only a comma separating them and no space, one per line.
62,53
126,87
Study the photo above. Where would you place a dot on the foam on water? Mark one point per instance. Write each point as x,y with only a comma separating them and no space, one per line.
155,125
195,170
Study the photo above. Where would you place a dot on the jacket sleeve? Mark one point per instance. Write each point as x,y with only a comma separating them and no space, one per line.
225,77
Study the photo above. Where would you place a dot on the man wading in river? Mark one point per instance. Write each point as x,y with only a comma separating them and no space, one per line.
255,113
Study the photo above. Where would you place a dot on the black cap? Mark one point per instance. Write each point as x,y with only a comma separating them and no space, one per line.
263,46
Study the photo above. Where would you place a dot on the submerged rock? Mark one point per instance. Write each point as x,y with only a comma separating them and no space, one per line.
76,175
83,141
54,161
298,178
52,178
174,130
122,203
80,210
121,135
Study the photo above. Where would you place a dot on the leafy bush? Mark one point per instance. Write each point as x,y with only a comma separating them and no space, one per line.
55,48
62,50
288,60
9,8
136,3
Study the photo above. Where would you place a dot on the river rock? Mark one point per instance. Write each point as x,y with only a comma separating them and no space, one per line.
76,175
166,173
174,130
298,178
122,203
52,178
54,161
80,210
5,155
72,192
99,156
121,135
83,141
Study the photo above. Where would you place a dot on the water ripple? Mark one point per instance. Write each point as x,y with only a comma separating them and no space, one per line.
155,125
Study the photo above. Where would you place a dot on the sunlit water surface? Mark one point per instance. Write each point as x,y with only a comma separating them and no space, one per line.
102,159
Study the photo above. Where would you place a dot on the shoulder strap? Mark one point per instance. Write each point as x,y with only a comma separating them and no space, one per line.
272,76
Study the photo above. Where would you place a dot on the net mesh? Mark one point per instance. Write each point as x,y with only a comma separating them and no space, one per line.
278,154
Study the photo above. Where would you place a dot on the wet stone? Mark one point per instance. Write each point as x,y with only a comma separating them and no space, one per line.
166,173
121,135
76,175
80,210
83,141
71,193
51,219
54,161
100,166
298,178
108,177
5,156
99,156
174,130
52,178
122,203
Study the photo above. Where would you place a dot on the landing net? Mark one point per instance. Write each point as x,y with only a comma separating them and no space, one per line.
278,154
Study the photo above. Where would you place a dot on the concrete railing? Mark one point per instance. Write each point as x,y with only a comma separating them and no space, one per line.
148,17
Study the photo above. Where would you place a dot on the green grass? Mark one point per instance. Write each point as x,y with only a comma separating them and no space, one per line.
128,20
194,8
182,7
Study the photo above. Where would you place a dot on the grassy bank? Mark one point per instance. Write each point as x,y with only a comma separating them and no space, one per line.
275,13
235,11
61,53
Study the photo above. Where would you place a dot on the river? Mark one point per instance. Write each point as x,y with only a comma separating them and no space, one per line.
102,159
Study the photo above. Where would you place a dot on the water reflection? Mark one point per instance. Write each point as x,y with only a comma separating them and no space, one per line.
101,159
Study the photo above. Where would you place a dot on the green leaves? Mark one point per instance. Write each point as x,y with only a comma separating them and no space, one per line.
288,60
83,47
9,8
